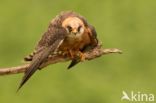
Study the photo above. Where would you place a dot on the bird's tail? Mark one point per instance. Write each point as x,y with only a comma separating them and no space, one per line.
74,62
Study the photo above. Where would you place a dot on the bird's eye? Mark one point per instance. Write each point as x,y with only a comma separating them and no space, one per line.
69,28
79,28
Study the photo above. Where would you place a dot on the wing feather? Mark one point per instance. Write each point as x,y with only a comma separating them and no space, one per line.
55,40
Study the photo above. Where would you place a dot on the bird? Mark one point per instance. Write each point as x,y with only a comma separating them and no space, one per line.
68,32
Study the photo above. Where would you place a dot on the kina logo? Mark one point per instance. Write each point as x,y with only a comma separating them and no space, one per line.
137,96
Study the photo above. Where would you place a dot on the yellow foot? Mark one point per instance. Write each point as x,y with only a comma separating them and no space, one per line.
82,56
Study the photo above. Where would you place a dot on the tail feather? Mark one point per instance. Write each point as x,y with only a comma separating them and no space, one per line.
74,62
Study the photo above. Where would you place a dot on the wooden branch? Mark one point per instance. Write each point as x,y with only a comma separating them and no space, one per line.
96,52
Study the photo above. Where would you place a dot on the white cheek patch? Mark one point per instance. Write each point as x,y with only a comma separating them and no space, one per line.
67,30
82,30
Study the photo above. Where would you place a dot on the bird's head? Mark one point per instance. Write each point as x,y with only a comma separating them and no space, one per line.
74,26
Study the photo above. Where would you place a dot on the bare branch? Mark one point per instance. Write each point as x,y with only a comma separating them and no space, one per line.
96,52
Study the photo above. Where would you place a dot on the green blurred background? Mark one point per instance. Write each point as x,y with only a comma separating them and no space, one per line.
126,24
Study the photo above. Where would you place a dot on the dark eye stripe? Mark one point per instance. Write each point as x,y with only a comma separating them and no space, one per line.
79,28
69,28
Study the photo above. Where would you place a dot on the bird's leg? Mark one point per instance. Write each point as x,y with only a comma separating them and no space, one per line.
71,53
68,53
82,56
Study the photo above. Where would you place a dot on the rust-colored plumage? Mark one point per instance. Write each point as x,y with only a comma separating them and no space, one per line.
69,33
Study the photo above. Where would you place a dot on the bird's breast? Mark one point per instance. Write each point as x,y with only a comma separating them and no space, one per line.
72,42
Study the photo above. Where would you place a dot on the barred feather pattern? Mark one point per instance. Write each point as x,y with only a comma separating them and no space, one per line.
30,56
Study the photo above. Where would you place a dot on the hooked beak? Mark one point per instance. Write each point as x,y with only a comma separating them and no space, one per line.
74,31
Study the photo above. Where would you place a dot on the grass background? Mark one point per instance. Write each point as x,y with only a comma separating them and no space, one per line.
126,24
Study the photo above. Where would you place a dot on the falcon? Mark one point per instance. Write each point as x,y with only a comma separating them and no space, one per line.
69,33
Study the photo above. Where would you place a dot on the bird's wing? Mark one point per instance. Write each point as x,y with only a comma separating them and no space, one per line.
94,41
55,38
93,36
